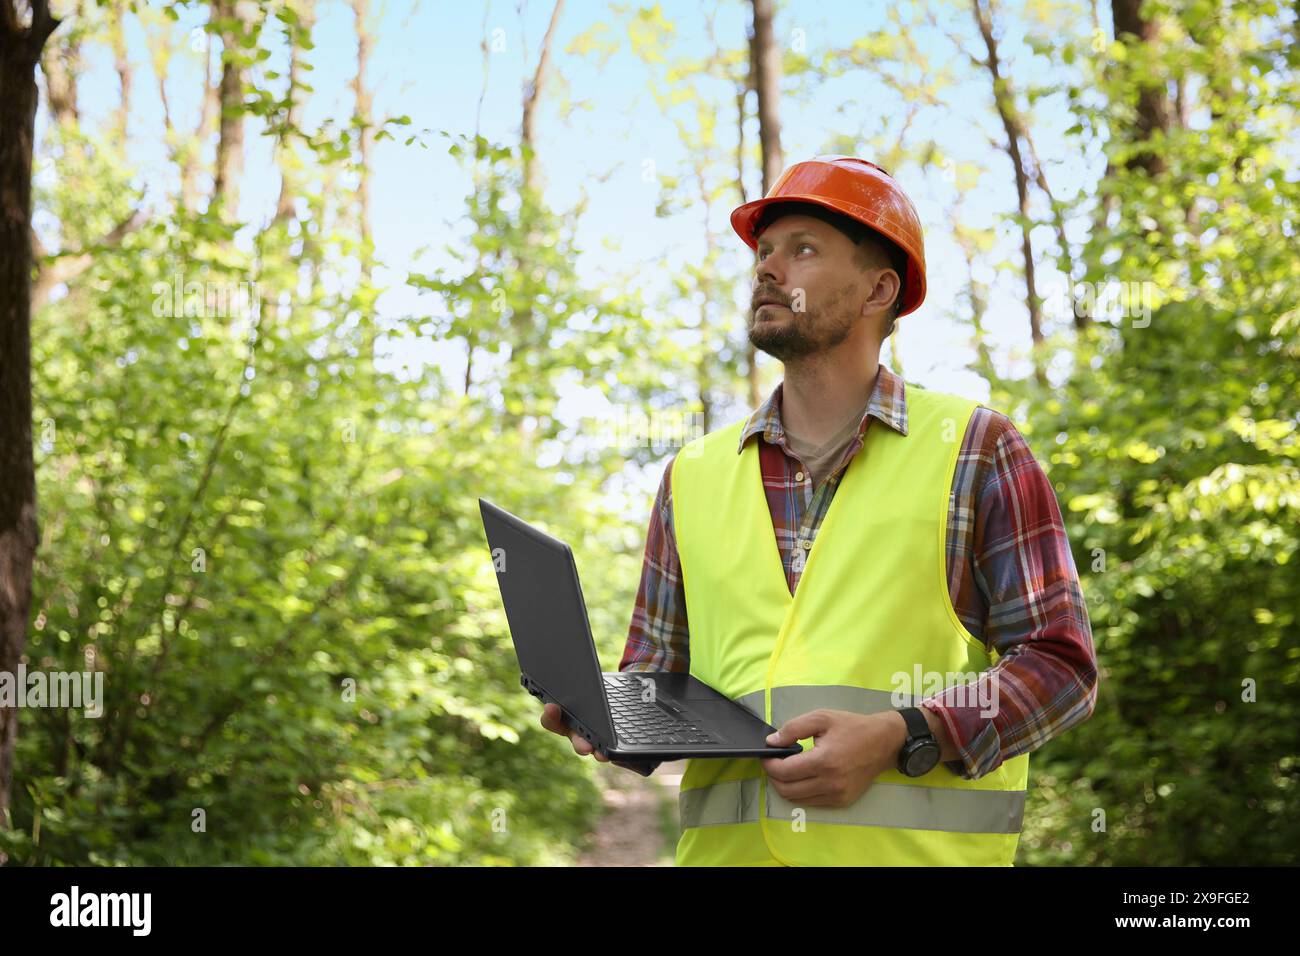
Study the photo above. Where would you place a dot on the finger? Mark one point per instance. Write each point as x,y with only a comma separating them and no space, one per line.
799,767
800,728
808,793
552,719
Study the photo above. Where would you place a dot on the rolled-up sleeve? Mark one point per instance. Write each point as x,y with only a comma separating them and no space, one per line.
1044,680
657,637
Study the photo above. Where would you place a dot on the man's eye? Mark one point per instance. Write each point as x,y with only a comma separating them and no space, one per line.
806,246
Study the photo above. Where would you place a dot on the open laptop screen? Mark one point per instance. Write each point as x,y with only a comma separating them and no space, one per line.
548,619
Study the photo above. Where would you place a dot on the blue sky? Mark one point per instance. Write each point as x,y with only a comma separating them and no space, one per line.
427,64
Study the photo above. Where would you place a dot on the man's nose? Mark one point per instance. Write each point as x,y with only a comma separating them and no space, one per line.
767,271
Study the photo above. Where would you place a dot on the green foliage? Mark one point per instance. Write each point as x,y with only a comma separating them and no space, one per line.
268,544
1173,445
246,515
263,531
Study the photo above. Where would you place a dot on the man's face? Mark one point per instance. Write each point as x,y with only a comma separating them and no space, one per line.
808,288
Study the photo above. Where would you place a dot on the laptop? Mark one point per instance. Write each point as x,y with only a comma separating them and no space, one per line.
627,716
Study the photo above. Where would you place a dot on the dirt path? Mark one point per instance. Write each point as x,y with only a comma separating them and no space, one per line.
631,832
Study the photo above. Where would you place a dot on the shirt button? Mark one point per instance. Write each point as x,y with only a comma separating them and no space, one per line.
806,544
798,476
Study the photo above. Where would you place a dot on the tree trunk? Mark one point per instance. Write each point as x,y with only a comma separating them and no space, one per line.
285,156
751,353
1012,127
230,97
1153,111
1058,222
523,333
20,51
61,63
363,114
192,156
767,82
533,93
122,63
765,61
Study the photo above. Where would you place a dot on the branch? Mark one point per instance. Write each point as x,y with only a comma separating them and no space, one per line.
66,266
43,24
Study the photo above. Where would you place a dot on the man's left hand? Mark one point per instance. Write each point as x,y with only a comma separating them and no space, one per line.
850,750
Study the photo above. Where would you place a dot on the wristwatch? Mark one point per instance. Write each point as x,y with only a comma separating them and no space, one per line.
921,751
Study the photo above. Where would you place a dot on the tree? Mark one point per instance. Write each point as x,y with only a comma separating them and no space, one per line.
765,73
1014,129
1174,440
23,33
235,21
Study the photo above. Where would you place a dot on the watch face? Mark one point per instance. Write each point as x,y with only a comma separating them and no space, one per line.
922,760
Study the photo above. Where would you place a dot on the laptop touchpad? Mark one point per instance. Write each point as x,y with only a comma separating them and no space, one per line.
716,710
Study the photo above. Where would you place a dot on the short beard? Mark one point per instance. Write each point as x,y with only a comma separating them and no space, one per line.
806,333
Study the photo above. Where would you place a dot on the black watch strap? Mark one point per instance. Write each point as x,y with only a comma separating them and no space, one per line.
917,726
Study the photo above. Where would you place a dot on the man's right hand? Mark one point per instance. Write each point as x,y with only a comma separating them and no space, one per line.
553,720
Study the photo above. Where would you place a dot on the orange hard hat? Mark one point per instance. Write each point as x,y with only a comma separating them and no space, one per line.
855,188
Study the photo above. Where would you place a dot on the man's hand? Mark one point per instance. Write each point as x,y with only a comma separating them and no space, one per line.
850,750
553,720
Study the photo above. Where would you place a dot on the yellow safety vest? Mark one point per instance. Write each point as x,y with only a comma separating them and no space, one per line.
872,605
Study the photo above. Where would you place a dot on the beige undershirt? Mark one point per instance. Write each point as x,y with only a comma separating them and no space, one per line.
821,460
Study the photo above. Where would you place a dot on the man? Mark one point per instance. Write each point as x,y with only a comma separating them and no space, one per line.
880,572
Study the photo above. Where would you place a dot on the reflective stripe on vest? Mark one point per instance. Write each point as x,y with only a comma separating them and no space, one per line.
871,609
883,805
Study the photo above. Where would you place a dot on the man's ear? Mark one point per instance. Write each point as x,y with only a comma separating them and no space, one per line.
884,290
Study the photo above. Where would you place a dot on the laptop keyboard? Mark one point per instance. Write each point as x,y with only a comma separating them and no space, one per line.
638,721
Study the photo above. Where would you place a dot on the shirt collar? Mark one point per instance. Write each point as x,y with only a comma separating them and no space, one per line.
888,404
